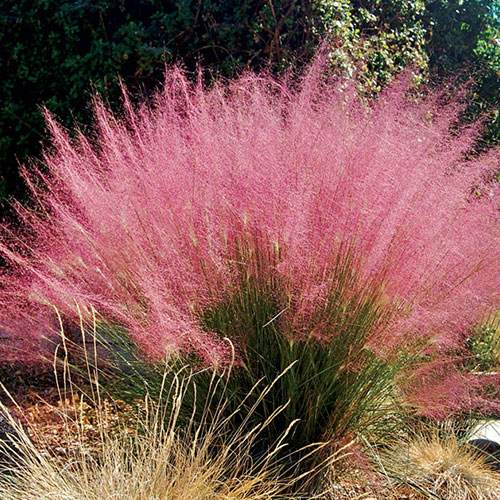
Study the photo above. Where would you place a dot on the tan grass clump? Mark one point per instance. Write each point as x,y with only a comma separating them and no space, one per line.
158,460
443,467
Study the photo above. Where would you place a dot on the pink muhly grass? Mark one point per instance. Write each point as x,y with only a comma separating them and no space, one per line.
164,211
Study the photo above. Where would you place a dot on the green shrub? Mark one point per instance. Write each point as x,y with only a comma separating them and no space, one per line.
484,346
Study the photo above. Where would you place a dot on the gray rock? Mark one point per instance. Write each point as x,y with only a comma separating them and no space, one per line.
491,449
486,439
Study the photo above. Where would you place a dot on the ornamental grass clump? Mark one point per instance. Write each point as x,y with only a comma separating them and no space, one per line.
441,467
354,243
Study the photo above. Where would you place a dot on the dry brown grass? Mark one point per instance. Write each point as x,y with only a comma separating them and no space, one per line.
114,451
155,461
441,467
101,455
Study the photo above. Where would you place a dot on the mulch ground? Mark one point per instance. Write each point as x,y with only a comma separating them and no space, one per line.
57,420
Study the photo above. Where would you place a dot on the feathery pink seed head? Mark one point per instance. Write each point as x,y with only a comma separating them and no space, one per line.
160,217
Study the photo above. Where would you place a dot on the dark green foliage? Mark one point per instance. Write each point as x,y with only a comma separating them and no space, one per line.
464,40
53,53
455,30
56,53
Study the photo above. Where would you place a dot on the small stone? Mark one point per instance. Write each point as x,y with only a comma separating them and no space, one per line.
490,448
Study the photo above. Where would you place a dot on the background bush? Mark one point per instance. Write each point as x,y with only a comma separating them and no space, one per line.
55,52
